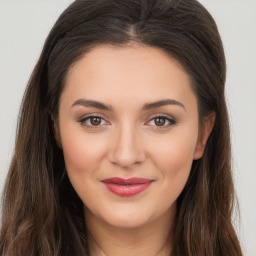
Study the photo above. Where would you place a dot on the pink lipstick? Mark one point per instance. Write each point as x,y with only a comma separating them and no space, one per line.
127,187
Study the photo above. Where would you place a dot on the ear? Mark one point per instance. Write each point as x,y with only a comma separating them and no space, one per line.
204,133
56,131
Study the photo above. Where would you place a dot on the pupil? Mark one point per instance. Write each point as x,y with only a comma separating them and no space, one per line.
160,121
95,120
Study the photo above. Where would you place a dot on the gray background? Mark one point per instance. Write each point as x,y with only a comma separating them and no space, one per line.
25,24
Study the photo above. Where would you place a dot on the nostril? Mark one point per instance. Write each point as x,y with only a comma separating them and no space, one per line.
125,160
126,150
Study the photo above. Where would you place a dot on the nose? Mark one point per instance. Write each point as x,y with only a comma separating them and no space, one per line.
127,149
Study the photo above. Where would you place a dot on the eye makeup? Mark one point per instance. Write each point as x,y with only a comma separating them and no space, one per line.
95,121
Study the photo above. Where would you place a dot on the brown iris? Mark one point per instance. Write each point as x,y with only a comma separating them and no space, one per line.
95,120
160,121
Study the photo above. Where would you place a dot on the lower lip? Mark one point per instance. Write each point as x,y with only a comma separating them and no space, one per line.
127,190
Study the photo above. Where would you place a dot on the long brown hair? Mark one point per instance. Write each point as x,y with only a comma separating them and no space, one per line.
42,214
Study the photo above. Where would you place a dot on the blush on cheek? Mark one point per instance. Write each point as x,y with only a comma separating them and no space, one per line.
79,155
176,157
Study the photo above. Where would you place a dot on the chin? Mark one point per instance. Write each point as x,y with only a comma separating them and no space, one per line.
127,217
127,222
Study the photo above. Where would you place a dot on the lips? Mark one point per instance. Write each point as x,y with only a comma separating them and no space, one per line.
127,187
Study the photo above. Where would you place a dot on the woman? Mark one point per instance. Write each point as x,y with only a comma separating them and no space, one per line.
123,141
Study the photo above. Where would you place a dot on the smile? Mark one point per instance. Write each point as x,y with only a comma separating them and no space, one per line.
127,187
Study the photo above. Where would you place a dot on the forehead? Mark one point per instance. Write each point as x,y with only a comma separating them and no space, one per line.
133,72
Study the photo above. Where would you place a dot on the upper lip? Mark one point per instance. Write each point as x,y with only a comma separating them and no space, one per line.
131,181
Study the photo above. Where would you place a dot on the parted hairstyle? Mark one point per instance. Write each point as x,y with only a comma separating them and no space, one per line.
41,212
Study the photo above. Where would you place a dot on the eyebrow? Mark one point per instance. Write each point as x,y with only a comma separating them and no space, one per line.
92,104
147,106
161,103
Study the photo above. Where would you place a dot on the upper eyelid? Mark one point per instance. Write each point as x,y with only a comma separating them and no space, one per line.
162,115
103,117
93,115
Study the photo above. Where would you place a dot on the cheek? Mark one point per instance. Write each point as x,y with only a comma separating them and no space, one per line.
173,156
177,156
82,153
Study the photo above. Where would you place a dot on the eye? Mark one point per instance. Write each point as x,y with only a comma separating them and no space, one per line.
93,121
162,121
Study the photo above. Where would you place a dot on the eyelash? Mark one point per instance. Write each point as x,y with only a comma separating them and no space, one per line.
165,117
83,121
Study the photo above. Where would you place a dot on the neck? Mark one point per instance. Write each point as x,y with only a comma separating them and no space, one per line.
151,239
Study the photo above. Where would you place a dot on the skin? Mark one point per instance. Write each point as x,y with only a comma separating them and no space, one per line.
129,142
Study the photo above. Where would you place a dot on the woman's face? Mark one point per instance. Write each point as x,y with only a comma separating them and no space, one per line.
128,126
